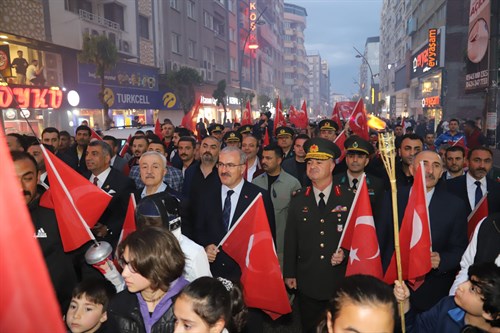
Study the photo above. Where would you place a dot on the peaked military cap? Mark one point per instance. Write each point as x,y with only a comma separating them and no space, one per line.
321,149
232,136
245,129
283,131
328,125
215,128
355,143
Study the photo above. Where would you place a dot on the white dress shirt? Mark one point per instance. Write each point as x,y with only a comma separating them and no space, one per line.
326,192
234,197
471,189
101,178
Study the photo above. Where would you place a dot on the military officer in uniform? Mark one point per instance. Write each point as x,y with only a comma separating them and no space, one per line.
316,220
358,152
215,130
245,130
328,129
232,139
284,136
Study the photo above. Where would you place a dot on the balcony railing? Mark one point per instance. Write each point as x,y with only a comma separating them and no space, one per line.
96,19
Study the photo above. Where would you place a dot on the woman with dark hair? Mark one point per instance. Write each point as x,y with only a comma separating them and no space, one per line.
363,303
210,305
152,263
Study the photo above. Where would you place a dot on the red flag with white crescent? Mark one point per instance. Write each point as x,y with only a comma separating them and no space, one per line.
415,240
190,119
129,225
279,119
339,141
299,117
246,118
94,135
360,238
250,243
125,147
358,122
158,128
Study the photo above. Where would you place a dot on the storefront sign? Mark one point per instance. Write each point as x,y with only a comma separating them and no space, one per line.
124,75
427,57
252,38
126,98
27,97
207,100
431,102
477,74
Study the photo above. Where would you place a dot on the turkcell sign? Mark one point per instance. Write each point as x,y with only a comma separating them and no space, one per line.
133,98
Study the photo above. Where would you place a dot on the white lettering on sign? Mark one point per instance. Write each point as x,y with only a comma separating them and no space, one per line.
133,98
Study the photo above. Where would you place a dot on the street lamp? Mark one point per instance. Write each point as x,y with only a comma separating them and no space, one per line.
242,54
373,87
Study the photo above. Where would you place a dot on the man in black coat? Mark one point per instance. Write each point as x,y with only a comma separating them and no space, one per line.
448,225
58,263
472,186
76,154
208,227
112,182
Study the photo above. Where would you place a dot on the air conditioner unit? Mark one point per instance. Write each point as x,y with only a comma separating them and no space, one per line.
124,46
174,66
203,73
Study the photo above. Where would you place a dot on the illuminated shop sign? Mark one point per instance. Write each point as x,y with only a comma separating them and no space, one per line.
27,97
431,102
252,38
427,57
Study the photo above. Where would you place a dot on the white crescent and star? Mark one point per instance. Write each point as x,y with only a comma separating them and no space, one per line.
366,220
417,230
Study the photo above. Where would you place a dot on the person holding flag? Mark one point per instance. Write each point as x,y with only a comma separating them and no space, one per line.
316,220
59,264
448,231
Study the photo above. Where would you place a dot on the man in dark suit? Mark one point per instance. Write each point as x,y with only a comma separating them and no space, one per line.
208,226
316,219
472,186
357,157
218,208
448,226
114,183
117,162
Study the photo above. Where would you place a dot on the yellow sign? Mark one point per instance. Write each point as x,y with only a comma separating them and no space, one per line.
109,97
169,100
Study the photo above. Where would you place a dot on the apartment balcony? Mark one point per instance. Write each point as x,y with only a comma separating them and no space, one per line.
99,20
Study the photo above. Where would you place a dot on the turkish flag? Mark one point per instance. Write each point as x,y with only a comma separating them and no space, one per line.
342,111
266,140
246,118
479,213
129,225
29,302
339,141
190,119
360,238
94,135
250,244
414,237
299,117
358,122
77,203
279,119
158,128
125,147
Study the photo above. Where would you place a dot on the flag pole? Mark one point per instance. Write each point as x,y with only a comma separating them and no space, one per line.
387,150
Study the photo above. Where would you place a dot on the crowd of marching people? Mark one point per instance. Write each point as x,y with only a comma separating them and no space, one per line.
169,273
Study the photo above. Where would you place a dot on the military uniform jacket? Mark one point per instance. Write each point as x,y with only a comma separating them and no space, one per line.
311,238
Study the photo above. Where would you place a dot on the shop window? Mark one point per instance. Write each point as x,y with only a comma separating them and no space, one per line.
115,13
143,26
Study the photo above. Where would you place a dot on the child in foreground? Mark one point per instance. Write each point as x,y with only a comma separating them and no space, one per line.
210,305
87,312
474,308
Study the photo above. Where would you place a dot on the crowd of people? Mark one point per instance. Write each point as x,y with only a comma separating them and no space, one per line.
170,275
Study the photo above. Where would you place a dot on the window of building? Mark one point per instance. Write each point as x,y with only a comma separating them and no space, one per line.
230,5
115,13
143,26
75,6
208,58
232,64
191,49
191,9
176,43
232,35
208,20
174,4
221,2
219,27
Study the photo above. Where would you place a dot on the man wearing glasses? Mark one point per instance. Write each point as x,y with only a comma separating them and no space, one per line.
221,206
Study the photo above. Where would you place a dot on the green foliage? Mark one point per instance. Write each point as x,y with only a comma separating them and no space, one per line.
263,101
182,82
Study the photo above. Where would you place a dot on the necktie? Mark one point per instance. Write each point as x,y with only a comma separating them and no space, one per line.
226,211
95,181
479,193
321,204
354,183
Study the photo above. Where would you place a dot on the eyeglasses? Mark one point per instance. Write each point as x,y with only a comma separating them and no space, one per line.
228,165
123,263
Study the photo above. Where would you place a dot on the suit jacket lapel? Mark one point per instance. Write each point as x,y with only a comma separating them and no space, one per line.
243,202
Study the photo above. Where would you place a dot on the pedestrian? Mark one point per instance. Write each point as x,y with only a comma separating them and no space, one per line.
152,262
20,64
209,305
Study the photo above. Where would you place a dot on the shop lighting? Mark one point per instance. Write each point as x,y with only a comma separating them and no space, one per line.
6,43
3,37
